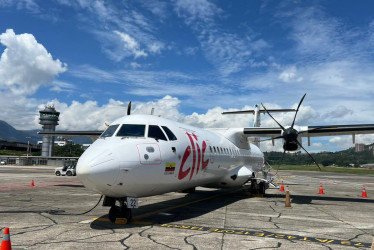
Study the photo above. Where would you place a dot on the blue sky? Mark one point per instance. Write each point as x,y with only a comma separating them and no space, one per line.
190,60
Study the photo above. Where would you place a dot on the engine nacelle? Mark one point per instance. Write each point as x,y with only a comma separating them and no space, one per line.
292,145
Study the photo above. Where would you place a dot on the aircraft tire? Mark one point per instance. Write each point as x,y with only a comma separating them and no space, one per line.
114,213
261,188
68,173
58,173
126,213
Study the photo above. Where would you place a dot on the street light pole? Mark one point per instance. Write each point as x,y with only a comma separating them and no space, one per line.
28,150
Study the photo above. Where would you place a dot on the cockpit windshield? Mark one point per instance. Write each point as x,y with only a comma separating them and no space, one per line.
131,130
109,131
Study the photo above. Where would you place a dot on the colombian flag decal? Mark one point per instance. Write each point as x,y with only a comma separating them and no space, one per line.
169,168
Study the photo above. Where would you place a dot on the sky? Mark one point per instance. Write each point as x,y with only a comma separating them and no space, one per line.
190,60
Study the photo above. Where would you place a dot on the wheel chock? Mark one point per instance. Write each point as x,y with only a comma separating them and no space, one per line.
121,221
288,199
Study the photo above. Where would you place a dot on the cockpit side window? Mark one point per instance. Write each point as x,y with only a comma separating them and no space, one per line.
155,131
110,131
131,130
170,134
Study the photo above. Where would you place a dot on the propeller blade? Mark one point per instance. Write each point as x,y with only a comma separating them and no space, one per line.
309,154
297,110
129,109
272,117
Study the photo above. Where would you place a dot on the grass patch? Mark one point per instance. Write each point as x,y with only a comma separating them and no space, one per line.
330,169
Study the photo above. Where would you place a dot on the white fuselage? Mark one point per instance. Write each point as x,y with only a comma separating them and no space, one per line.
129,163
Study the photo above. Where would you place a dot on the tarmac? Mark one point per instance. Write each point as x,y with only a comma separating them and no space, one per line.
54,214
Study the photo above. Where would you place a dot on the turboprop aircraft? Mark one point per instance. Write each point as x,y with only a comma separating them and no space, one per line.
145,155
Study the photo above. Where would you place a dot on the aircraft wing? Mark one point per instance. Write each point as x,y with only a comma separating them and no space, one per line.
67,134
313,131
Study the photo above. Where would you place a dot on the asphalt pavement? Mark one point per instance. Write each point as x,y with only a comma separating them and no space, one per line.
53,214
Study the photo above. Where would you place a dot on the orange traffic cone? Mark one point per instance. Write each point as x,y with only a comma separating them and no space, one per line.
320,189
5,244
282,187
364,194
32,183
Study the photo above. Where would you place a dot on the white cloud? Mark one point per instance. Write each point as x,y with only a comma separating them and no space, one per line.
131,44
19,111
317,145
60,86
195,10
155,47
135,65
122,29
91,116
227,51
343,142
339,112
290,75
29,5
25,64
88,115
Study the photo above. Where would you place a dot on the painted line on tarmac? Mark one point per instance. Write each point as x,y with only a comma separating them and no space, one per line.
254,233
266,234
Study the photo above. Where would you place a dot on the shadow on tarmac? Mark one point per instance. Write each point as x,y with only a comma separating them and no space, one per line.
200,203
179,209
308,199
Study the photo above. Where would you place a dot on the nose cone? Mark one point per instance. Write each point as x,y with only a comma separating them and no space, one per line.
98,169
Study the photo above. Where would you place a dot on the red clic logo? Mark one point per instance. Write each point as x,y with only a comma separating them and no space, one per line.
197,157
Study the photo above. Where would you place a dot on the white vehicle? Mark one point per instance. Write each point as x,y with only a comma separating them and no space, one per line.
69,170
145,155
3,162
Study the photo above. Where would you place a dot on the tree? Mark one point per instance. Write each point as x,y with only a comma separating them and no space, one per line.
69,150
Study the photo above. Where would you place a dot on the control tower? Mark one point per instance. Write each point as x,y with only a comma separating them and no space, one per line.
49,120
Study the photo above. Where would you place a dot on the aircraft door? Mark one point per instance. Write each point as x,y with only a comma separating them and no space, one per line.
210,151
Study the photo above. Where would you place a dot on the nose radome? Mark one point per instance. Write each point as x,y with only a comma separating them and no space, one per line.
98,170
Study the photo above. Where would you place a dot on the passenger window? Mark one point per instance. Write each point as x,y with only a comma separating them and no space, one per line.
154,131
131,130
170,134
109,131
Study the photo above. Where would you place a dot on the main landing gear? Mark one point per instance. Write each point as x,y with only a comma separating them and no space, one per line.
117,212
258,186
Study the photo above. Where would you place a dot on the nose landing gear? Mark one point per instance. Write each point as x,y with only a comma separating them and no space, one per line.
117,212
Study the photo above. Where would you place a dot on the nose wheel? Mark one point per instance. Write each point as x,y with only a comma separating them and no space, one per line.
120,212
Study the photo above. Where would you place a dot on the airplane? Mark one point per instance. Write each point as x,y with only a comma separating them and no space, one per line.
141,155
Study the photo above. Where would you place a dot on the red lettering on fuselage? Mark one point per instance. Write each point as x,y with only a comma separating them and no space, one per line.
196,150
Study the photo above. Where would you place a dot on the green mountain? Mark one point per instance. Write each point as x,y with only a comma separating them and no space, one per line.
8,133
